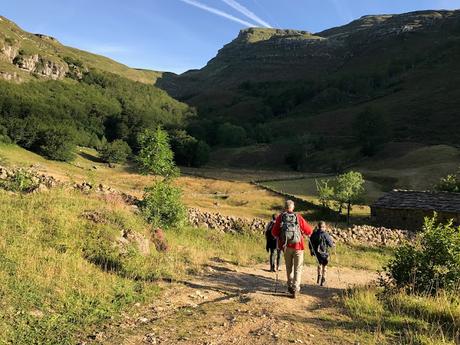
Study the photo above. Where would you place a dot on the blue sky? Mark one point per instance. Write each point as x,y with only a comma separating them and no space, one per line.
177,35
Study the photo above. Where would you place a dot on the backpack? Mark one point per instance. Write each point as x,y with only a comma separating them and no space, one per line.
319,245
290,231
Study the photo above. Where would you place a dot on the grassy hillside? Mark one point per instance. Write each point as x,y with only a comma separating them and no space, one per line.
292,91
63,275
49,48
53,93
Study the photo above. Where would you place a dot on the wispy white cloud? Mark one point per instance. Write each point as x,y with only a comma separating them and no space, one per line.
246,12
217,12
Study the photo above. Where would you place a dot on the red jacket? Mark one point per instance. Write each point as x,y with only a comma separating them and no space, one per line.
304,227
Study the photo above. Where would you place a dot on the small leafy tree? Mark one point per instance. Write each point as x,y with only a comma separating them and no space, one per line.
450,183
343,191
162,205
325,193
155,155
348,190
117,151
431,263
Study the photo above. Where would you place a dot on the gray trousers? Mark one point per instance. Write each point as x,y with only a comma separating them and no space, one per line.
294,266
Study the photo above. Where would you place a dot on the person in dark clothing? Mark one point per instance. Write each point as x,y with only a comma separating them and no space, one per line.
272,247
320,242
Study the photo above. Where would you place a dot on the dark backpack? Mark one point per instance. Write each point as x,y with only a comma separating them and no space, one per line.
319,244
290,231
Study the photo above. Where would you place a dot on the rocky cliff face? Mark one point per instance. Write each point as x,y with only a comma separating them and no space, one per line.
36,64
24,56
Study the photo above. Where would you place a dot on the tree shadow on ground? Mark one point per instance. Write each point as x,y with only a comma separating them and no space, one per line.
231,282
90,157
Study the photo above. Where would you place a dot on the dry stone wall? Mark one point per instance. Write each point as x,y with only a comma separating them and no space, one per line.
360,234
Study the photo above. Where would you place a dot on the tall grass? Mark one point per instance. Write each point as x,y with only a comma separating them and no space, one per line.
62,274
400,318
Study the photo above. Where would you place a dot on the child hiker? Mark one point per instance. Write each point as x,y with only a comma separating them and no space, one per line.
320,242
272,246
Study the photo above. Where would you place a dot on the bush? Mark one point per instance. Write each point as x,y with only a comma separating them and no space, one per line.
21,181
117,151
57,143
450,183
162,205
4,138
432,263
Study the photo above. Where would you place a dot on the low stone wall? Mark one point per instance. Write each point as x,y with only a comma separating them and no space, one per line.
231,224
363,234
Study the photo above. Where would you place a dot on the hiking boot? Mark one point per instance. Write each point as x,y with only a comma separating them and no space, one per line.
318,279
323,281
294,294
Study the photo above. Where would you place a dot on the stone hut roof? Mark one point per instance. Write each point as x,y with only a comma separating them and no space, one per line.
430,201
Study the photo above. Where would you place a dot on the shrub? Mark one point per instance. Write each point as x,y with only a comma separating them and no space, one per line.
4,138
57,143
21,181
162,205
155,155
450,183
432,263
117,151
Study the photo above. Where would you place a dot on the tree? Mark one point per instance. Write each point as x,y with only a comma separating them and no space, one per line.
348,190
183,146
117,151
231,135
325,193
202,152
57,143
371,131
189,151
342,191
155,155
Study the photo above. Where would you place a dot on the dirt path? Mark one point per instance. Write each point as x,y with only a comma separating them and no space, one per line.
234,305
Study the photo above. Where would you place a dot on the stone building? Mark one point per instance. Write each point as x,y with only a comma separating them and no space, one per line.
402,209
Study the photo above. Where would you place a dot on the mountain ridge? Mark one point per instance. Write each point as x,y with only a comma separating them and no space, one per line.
404,67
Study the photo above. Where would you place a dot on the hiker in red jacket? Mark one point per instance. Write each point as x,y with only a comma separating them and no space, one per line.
290,229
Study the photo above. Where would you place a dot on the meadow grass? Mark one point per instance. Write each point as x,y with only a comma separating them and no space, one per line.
388,317
63,274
